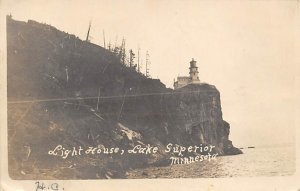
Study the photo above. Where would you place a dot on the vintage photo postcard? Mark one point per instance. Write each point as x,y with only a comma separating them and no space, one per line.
149,95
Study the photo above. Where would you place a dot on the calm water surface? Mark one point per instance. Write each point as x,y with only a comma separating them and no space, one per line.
260,161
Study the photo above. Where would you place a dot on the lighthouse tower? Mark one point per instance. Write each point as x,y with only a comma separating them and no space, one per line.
194,77
185,80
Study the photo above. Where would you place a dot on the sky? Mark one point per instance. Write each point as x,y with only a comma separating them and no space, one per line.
247,49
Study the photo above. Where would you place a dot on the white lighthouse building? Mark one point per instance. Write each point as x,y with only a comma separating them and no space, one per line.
192,79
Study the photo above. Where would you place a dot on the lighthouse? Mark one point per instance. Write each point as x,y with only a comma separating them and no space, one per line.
194,77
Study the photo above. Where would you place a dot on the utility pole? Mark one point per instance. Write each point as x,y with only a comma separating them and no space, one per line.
88,33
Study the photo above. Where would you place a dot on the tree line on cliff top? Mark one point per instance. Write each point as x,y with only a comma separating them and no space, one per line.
129,58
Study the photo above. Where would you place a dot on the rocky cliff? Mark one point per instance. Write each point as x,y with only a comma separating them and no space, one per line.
72,92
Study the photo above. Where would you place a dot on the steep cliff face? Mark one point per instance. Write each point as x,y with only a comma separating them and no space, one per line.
189,115
198,110
64,90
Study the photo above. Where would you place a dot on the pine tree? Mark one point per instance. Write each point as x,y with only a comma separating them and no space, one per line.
131,58
104,45
147,64
138,64
123,52
116,52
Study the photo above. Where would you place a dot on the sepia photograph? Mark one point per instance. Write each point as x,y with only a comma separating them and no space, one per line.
154,90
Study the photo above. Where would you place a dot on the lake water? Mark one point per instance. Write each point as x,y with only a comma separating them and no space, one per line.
259,161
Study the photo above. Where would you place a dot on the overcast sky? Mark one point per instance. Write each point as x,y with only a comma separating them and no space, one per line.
245,48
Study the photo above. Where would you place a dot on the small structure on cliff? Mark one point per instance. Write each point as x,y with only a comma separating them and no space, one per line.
185,80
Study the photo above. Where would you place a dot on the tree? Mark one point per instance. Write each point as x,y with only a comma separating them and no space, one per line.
123,52
116,52
104,39
138,64
147,64
131,58
109,46
88,33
